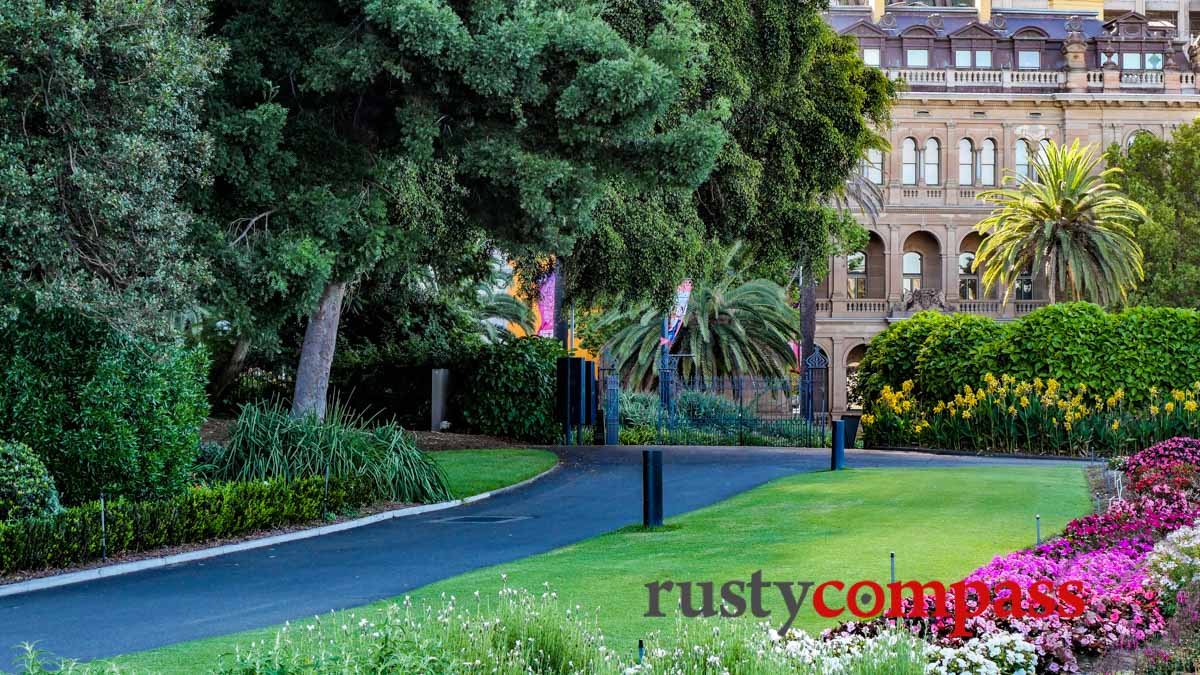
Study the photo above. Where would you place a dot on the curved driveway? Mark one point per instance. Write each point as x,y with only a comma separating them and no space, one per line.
594,491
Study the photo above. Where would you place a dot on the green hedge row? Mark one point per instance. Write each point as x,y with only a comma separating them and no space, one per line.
73,536
508,390
1074,343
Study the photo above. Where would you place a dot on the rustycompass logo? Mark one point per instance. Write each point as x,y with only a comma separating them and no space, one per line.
868,599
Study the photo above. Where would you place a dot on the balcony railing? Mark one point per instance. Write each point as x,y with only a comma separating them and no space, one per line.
842,308
1036,80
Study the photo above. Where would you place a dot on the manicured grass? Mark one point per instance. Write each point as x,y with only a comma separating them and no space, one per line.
471,472
941,523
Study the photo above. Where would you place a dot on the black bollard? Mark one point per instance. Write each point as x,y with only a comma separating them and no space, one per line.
652,488
837,457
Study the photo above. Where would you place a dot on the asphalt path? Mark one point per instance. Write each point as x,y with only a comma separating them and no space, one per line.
595,490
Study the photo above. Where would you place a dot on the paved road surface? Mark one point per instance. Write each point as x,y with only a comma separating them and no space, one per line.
595,491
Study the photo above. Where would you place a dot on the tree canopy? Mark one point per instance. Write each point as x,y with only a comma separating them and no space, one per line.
1164,176
362,127
99,132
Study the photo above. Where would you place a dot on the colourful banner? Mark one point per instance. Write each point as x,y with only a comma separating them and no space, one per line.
675,319
545,307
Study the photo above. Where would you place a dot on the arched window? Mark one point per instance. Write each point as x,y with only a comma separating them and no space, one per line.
1043,150
1024,285
966,162
968,281
856,275
872,166
987,162
1136,135
912,271
1024,168
933,158
908,156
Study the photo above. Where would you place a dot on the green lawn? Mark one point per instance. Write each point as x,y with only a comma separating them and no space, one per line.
471,472
941,523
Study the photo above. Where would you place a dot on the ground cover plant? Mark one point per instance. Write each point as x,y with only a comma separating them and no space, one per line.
1003,414
818,526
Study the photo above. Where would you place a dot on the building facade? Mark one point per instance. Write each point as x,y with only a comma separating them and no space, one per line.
984,88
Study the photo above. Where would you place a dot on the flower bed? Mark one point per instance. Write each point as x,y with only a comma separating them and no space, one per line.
1039,417
1132,559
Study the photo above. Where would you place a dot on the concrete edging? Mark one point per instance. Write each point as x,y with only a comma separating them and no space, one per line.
118,569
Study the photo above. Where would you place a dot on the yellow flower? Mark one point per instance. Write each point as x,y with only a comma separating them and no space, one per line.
1012,410
939,408
1177,394
1112,401
1154,391
1067,426
1054,420
1116,424
1189,406
966,414
1024,401
1119,394
1169,407
868,419
1153,410
907,386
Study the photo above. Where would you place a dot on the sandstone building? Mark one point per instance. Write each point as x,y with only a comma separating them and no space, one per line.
986,85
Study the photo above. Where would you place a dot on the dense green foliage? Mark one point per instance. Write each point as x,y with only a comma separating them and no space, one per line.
104,410
380,137
804,108
99,131
1069,222
26,488
74,536
508,390
267,443
947,348
1164,176
1073,343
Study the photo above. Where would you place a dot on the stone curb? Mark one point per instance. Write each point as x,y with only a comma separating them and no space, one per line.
118,569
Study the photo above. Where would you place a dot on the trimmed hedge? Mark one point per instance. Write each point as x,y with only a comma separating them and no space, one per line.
73,536
1074,343
508,390
26,489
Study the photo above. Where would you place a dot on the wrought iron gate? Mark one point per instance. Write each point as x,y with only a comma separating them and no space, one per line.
743,409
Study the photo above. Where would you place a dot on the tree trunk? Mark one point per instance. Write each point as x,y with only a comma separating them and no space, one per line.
1053,281
808,321
233,367
316,355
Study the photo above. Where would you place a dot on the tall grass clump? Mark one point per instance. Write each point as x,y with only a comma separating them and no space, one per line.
268,443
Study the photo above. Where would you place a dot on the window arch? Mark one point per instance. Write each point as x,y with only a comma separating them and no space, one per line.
966,162
872,166
856,275
968,280
1136,135
1024,167
908,156
933,162
912,268
987,162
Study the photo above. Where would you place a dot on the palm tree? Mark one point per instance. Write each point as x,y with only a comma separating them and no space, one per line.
1068,222
731,326
497,308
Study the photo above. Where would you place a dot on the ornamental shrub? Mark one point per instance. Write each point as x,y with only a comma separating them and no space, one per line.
74,536
946,358
268,443
892,355
102,409
508,390
26,488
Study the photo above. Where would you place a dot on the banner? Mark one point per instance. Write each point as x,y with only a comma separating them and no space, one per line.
675,319
545,307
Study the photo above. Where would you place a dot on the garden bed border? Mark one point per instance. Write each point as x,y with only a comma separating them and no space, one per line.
106,571
968,453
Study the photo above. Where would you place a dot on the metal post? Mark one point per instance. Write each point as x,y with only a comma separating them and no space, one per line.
652,488
893,557
103,530
641,650
1038,523
837,459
